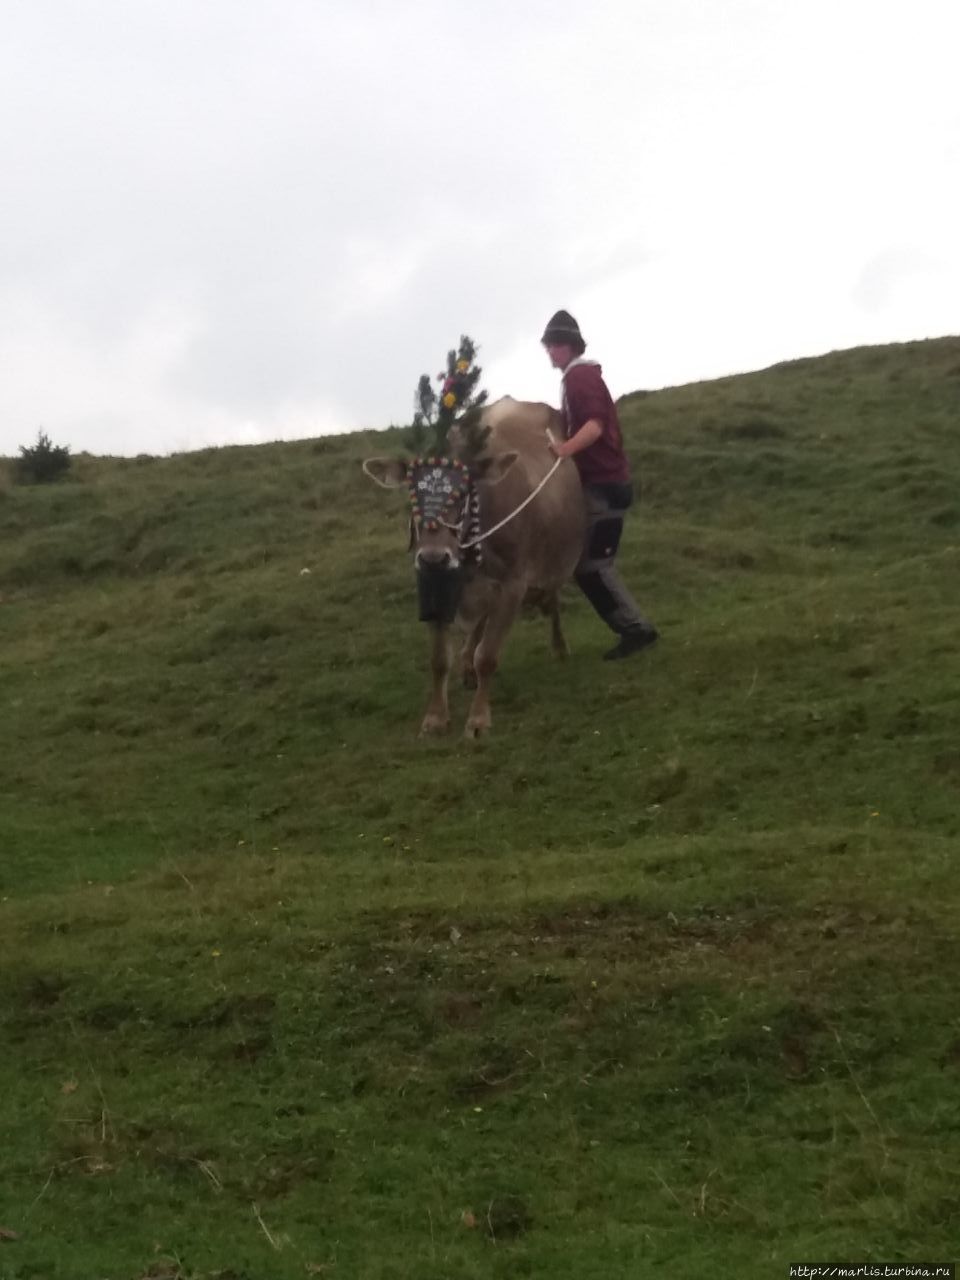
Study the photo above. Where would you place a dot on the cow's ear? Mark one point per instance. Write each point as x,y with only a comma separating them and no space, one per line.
499,466
389,473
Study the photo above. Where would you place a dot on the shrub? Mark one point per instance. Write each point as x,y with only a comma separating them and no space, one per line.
41,463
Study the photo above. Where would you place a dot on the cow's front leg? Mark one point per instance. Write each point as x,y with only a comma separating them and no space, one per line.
487,656
437,716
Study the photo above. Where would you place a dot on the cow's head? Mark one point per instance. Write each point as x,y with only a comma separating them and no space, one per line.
440,492
444,517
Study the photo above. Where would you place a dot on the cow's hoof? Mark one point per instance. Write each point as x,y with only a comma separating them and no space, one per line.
476,729
432,725
469,679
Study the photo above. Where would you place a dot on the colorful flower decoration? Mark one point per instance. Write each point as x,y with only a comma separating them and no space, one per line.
454,402
435,486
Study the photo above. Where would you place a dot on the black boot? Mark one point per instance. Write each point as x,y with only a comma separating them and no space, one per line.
632,642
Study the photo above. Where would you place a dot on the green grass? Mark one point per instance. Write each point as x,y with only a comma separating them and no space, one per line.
661,975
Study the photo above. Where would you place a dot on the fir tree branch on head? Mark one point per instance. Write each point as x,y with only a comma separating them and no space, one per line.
458,405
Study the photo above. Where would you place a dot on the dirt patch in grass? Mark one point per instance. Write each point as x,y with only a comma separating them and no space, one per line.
228,1010
427,948
737,996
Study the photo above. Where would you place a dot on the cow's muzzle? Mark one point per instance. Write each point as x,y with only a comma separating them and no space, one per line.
439,588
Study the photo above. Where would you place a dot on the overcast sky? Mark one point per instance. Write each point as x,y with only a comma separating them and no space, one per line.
243,220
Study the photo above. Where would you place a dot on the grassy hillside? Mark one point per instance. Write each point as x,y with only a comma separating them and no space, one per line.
662,973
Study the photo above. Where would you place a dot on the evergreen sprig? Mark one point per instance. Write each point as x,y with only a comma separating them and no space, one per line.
458,404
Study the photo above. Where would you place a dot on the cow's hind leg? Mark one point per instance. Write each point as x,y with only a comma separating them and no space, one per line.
487,657
437,716
558,641
547,601
468,655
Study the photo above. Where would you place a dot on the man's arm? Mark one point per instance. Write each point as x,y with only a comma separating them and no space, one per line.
589,434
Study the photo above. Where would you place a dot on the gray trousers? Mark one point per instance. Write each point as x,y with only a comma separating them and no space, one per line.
596,575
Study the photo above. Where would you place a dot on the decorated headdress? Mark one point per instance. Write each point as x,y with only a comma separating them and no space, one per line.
448,440
457,404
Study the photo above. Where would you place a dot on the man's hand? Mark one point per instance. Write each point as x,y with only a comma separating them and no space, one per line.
557,447
588,434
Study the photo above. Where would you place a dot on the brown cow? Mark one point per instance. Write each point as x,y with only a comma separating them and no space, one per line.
531,556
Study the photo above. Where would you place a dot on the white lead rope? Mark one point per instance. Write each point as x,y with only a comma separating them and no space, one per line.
465,546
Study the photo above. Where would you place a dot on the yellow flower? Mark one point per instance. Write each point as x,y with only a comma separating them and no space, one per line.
463,366
449,400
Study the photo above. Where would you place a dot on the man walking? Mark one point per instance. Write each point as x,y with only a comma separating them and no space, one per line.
595,443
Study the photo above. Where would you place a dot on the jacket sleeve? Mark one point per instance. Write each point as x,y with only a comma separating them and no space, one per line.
587,397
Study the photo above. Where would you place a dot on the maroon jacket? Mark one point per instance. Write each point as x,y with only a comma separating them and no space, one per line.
585,396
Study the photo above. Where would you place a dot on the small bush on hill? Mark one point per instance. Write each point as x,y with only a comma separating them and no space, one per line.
41,463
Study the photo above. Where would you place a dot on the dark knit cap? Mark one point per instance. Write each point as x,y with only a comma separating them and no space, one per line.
563,329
